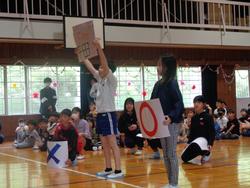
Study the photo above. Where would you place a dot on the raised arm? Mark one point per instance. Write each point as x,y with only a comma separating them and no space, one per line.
90,67
102,58
87,63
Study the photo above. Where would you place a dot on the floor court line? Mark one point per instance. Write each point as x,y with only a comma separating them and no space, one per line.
70,170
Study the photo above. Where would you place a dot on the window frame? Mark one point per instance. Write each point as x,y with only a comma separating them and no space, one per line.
247,69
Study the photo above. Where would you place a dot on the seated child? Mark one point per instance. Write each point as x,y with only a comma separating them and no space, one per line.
32,138
1,135
244,116
222,119
91,118
43,133
202,133
245,129
184,130
232,130
83,129
52,123
65,131
129,128
217,128
21,131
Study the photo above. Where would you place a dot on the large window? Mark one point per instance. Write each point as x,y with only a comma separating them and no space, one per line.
138,82
66,82
16,90
36,77
242,83
25,82
190,83
68,87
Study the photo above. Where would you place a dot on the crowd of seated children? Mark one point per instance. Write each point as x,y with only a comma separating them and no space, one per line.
1,134
84,135
232,130
80,133
66,131
129,129
31,138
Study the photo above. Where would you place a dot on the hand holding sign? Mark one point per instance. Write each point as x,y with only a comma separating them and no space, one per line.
84,36
151,118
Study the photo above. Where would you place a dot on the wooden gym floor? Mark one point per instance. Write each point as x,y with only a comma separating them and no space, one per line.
229,167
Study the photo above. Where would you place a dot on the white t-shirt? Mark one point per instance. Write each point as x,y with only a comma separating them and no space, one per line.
222,122
105,95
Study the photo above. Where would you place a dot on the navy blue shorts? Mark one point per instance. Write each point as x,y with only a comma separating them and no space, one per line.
106,124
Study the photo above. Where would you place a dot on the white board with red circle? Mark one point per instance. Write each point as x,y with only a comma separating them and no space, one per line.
150,117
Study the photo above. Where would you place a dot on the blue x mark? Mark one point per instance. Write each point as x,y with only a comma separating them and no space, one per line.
52,153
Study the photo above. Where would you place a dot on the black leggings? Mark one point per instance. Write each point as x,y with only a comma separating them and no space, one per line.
154,143
192,151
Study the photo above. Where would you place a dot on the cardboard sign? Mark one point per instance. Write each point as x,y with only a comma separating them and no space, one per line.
150,116
84,36
57,154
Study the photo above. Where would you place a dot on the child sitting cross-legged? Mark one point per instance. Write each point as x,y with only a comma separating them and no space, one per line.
232,130
21,131
32,138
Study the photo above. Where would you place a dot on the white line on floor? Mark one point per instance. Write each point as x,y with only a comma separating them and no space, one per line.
70,170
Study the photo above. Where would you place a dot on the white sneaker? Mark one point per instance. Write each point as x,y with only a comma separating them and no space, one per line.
100,148
155,155
205,158
35,147
104,173
115,175
80,157
138,152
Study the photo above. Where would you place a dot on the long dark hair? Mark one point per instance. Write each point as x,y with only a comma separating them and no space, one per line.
129,100
169,68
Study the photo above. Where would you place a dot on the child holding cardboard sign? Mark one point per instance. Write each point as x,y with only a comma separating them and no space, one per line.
106,122
168,92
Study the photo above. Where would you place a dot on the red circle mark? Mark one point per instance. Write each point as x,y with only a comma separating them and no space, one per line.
153,132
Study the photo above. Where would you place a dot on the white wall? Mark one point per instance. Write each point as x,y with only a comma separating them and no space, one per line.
53,30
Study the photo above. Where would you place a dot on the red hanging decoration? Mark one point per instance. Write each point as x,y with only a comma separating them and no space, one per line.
182,83
193,87
129,83
35,95
144,93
